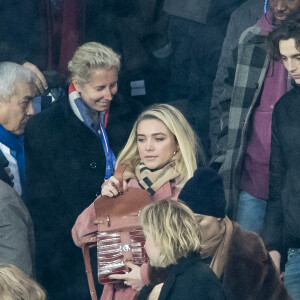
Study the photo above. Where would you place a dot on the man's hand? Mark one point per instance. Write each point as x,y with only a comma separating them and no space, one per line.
6,175
40,80
9,174
275,255
133,278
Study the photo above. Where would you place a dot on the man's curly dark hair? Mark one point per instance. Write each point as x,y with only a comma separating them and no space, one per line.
287,29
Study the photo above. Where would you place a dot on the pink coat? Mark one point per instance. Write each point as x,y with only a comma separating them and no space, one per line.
85,224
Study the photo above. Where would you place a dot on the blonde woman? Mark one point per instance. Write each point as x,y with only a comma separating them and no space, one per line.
172,245
161,157
69,149
15,285
161,138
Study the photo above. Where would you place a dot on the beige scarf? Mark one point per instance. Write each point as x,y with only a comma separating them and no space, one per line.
150,180
217,247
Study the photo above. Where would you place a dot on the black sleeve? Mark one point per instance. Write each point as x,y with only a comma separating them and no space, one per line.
199,283
3,175
40,183
272,233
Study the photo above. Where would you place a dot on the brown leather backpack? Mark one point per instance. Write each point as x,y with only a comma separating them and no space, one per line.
119,236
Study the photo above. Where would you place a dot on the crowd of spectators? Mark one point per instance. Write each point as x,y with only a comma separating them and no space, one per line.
69,113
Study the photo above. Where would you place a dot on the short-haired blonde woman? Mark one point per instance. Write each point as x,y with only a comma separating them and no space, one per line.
16,285
70,149
173,246
162,147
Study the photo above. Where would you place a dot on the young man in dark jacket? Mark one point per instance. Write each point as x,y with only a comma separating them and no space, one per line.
282,223
253,86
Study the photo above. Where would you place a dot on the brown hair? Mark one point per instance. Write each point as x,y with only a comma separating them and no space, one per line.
287,29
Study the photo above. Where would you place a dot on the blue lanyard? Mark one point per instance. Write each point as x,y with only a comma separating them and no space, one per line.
109,155
265,6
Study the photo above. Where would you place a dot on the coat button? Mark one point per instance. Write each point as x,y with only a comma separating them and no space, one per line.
98,194
93,165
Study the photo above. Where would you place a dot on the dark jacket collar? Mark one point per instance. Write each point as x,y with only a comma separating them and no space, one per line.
158,275
183,263
294,84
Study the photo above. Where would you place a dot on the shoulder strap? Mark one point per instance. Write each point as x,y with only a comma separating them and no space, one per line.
119,172
89,243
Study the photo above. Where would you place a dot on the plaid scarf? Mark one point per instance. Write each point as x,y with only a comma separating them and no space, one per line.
150,180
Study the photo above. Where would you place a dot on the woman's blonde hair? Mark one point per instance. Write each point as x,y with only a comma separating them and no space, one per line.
173,228
92,56
188,146
15,285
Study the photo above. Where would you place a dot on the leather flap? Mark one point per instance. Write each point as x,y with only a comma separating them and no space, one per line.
122,207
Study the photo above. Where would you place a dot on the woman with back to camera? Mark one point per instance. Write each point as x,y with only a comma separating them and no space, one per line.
238,258
172,244
162,147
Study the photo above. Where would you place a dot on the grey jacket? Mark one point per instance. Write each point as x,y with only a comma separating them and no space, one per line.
243,17
17,244
245,83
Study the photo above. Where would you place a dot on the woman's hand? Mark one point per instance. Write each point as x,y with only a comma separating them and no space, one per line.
275,255
112,186
133,278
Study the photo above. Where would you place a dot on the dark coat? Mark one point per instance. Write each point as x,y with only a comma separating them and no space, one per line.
188,279
282,223
250,273
65,166
205,54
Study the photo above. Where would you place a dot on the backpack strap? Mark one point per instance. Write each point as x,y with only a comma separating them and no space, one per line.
119,173
89,242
